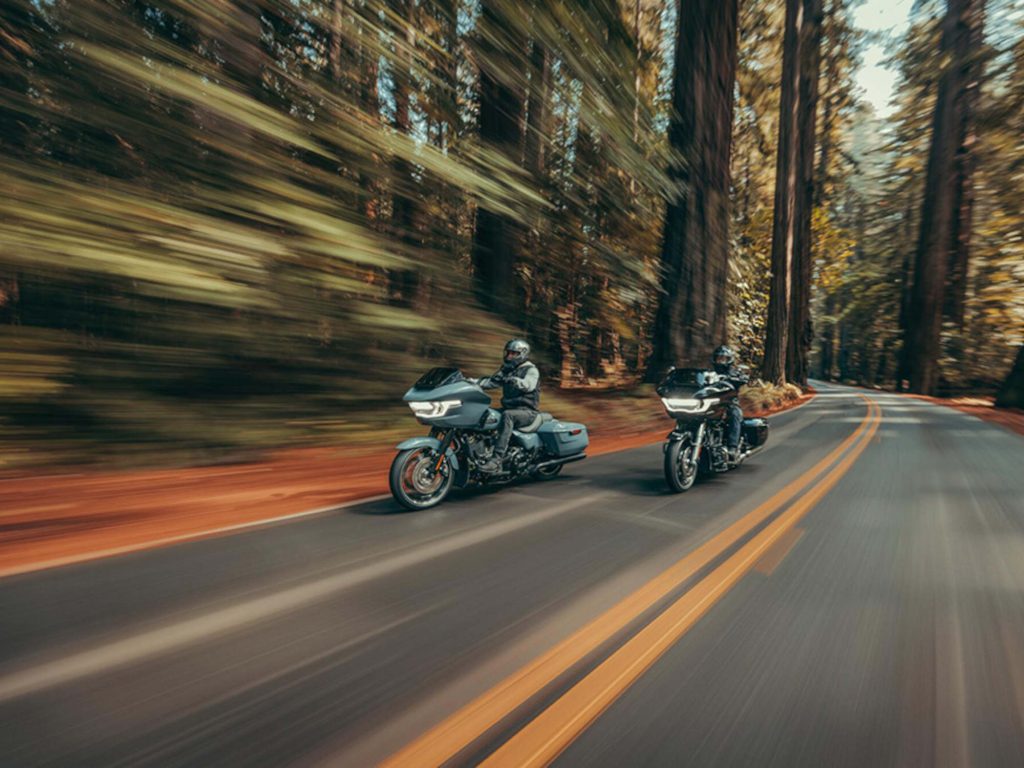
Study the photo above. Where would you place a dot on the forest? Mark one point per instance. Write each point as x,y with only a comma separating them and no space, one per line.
251,223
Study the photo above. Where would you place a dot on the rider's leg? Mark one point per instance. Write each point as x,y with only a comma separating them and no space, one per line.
510,419
733,430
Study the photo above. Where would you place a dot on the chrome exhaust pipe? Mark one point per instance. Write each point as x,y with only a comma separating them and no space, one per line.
566,460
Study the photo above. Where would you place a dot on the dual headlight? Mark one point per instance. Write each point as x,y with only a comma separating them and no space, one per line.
688,405
435,409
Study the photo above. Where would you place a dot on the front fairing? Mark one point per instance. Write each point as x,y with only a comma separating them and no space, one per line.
694,394
472,404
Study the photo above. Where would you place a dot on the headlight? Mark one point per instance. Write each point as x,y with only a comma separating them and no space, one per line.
688,405
434,410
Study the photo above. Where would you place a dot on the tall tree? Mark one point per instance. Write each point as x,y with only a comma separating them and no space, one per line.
787,176
788,334
497,236
801,333
969,61
939,212
695,251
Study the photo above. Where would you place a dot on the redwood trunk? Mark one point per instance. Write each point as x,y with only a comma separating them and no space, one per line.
922,343
537,118
496,238
969,72
691,315
784,229
405,283
801,333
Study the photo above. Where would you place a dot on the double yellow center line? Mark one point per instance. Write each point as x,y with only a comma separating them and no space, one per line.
555,728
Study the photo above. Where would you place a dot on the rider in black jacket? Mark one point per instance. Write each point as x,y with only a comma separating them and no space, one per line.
723,361
519,380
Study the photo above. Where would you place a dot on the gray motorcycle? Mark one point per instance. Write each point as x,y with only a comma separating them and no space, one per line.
463,427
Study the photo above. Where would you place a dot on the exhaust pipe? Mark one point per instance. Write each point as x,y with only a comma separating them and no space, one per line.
566,460
750,453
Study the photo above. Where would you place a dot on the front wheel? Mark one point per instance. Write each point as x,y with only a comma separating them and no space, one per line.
417,480
680,472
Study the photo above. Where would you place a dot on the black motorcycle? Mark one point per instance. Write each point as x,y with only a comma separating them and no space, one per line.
463,428
699,401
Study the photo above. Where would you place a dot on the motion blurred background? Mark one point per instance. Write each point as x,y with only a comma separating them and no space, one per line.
238,224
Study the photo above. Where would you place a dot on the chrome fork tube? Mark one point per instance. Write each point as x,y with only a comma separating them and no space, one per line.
699,445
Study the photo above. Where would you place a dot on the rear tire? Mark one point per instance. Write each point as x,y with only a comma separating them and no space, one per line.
412,481
679,474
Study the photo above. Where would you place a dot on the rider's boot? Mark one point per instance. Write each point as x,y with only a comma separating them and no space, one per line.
494,464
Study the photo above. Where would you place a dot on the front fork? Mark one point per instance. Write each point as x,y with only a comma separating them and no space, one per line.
698,442
446,442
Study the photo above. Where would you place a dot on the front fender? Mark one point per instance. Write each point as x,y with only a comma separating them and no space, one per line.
428,442
675,436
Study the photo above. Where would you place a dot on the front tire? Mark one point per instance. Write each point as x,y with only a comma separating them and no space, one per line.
414,484
680,474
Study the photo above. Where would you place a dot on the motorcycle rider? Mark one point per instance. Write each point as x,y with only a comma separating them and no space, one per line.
723,359
519,380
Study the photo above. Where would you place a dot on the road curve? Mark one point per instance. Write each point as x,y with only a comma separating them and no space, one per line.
851,596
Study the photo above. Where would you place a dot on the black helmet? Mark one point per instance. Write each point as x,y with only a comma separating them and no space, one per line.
722,359
517,352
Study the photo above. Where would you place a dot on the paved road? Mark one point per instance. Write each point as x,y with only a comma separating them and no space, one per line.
854,595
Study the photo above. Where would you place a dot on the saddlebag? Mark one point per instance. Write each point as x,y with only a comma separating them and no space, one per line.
563,438
755,431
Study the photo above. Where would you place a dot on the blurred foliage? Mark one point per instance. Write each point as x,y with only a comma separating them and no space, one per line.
248,222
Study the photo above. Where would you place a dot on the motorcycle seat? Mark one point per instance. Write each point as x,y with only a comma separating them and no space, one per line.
534,425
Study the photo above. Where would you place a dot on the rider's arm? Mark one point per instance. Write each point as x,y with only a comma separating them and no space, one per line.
737,377
529,380
491,382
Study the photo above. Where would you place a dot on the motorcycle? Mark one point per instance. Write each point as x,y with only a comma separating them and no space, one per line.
463,429
699,401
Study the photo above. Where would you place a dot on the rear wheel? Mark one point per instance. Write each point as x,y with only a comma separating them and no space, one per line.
680,472
417,480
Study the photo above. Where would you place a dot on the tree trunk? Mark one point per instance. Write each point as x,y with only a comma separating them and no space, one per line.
784,227
536,108
828,340
1011,394
496,239
938,209
334,44
970,66
801,332
691,315
405,283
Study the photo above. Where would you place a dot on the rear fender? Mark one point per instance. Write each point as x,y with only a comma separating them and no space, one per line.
428,442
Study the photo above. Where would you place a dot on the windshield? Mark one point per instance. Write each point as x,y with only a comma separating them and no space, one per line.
686,377
438,377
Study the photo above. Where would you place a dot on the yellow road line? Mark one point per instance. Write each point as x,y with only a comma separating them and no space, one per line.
545,737
773,557
445,740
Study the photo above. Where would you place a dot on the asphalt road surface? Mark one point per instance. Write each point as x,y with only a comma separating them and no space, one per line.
853,595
